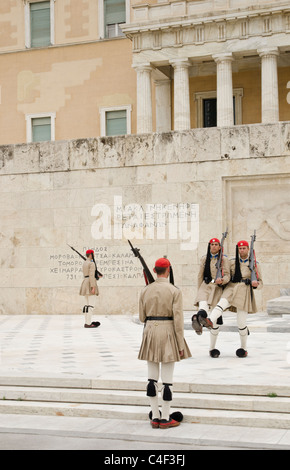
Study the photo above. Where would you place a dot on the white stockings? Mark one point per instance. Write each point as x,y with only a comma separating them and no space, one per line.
166,370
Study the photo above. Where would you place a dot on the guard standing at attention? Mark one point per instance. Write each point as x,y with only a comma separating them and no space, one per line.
163,343
89,289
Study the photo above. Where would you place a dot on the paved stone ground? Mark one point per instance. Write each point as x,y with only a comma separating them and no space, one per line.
59,346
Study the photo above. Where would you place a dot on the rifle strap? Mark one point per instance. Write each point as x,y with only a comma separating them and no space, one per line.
256,267
145,277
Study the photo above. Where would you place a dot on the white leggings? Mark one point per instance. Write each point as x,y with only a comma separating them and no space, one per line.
222,305
90,300
165,369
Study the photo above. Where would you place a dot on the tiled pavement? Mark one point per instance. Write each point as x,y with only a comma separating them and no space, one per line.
58,344
59,347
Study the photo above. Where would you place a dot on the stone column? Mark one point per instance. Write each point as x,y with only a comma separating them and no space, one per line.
163,105
144,98
270,94
225,105
181,94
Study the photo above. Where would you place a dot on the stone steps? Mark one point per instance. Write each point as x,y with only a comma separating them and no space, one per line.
138,398
251,409
125,412
120,384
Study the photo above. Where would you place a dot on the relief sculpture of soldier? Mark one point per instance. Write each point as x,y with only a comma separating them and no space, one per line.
89,288
210,289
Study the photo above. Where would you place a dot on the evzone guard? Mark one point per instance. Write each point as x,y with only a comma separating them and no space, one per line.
89,288
163,343
239,294
213,276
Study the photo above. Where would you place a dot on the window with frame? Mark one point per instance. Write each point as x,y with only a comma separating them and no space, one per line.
40,127
116,122
114,16
40,27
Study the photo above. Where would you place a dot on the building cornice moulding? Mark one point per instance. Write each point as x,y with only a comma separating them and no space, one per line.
180,32
186,20
188,10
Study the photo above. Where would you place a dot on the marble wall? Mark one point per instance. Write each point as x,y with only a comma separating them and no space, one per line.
96,193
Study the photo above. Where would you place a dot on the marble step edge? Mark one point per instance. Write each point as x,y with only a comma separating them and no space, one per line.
141,431
122,384
121,397
197,416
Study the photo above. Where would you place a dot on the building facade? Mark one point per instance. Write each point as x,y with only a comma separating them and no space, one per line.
203,86
86,68
214,62
65,70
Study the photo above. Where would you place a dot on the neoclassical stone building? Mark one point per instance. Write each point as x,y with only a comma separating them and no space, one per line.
223,57
128,106
85,68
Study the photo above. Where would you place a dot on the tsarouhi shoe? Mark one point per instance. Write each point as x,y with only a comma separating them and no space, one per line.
92,325
170,423
203,319
155,423
97,323
196,325
177,416
199,320
241,352
214,353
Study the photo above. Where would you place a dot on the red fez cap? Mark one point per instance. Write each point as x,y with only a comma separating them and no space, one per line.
214,240
89,252
243,243
162,263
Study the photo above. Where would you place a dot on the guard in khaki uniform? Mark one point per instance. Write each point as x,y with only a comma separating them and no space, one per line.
89,289
239,295
163,343
210,289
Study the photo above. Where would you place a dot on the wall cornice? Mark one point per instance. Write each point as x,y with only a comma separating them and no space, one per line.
155,32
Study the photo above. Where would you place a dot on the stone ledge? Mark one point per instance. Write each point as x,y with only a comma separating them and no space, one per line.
193,145
279,306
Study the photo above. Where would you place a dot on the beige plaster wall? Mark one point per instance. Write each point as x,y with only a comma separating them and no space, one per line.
73,82
74,21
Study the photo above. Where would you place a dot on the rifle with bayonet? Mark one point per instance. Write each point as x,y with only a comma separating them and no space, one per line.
219,263
149,279
252,259
97,273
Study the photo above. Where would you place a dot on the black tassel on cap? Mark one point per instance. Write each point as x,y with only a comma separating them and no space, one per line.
171,278
238,275
167,395
151,389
